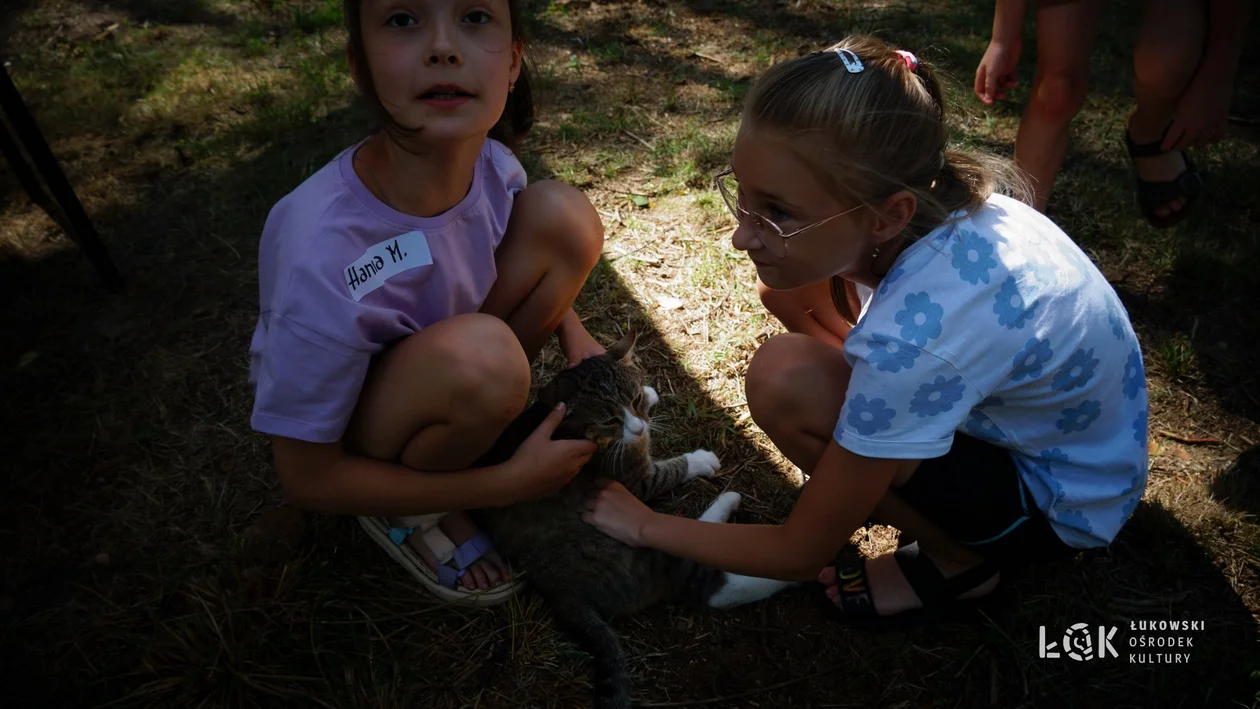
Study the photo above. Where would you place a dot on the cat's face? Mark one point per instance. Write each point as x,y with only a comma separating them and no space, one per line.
604,397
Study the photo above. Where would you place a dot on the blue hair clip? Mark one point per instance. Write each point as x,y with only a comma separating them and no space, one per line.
851,62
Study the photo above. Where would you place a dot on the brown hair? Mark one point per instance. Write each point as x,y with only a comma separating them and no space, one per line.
873,133
518,114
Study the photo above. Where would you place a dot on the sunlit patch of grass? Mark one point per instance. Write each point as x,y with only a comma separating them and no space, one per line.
95,82
324,15
690,157
609,53
1177,356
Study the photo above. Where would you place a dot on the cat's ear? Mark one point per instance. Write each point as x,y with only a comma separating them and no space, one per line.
624,348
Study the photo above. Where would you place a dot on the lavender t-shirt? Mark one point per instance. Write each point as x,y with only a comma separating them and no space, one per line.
341,276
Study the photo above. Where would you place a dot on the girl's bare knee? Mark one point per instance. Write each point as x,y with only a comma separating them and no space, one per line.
483,367
1165,72
796,383
1169,49
1059,97
561,217
774,378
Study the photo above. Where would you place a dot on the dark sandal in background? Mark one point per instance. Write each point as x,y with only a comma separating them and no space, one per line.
1155,194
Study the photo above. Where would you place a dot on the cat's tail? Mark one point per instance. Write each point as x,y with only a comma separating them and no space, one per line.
586,627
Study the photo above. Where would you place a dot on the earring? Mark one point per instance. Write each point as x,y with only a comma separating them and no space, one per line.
875,254
511,86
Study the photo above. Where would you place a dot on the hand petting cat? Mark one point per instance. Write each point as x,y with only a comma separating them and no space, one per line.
547,465
615,511
576,343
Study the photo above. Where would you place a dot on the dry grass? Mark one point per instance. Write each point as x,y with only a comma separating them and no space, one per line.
131,576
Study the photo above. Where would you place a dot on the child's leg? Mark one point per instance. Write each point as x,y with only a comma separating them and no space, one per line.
435,401
974,494
808,310
440,398
1065,39
552,243
796,388
1165,59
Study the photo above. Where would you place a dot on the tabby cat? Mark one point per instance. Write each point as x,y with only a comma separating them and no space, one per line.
585,576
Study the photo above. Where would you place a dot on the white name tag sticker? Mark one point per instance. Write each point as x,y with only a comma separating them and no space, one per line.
386,260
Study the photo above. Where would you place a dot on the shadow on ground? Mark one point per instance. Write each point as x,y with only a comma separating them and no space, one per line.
1238,486
1196,317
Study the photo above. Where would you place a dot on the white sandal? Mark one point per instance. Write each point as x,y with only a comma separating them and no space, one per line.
445,583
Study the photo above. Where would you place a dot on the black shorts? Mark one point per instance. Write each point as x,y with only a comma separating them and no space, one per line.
975,494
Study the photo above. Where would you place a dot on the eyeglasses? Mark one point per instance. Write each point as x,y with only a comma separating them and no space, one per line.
767,231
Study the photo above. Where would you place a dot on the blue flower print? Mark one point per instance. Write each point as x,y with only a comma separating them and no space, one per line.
940,395
1076,256
1137,484
1042,466
1114,319
1134,375
973,257
982,427
890,355
891,278
1139,427
921,319
1076,372
1059,493
1030,360
1129,506
1137,487
1042,274
1053,455
1075,520
1009,305
1079,418
869,417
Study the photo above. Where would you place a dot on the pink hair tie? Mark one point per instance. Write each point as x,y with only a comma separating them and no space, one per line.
912,62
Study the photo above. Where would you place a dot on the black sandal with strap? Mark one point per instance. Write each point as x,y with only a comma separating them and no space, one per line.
1155,194
940,596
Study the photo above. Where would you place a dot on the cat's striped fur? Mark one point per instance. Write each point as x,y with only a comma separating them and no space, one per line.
587,577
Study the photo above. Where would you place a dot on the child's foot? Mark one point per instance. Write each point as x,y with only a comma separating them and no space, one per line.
1167,181
890,591
1160,168
483,574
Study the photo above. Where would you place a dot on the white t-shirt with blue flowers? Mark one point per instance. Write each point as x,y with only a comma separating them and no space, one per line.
999,326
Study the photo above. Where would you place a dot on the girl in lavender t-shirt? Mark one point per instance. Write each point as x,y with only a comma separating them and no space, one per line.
405,288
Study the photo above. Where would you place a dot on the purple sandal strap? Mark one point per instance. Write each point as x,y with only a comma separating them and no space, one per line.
449,577
472,550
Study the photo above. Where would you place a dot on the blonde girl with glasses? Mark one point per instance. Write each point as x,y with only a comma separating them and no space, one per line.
989,400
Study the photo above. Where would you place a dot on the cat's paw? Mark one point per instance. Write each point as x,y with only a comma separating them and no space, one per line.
652,397
738,590
723,507
702,464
